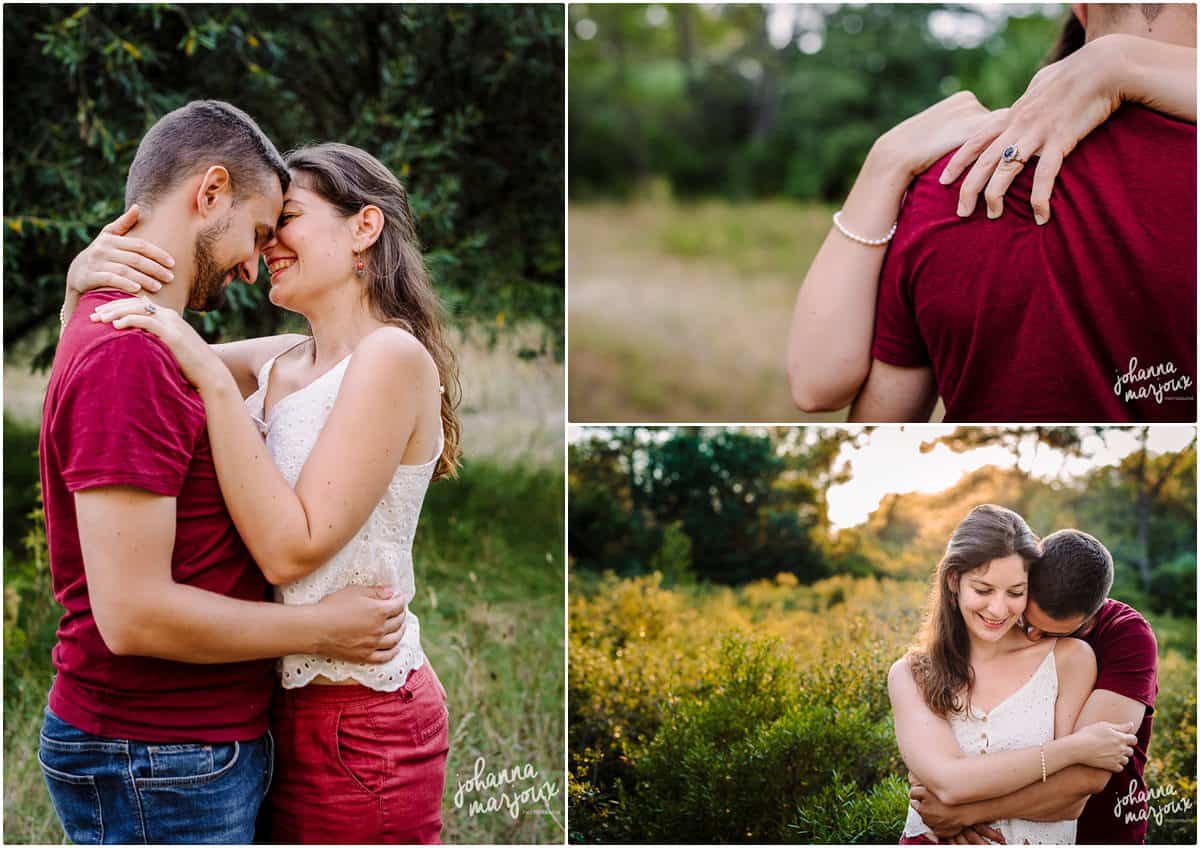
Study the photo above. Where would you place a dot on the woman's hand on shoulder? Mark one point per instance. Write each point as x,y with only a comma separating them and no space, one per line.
1063,103
198,362
118,261
927,136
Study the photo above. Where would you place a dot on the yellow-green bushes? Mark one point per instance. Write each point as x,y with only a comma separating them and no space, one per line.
760,714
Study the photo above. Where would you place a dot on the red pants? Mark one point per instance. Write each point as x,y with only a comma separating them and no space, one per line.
353,765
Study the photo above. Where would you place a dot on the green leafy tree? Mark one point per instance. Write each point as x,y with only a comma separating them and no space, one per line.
464,104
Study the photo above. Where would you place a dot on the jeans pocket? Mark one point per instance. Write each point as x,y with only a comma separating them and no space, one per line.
198,804
189,765
361,749
75,797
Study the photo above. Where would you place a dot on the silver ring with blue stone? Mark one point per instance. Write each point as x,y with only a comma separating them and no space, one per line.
1011,154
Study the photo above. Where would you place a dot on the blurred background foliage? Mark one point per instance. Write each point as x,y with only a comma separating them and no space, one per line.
753,503
729,646
464,104
746,101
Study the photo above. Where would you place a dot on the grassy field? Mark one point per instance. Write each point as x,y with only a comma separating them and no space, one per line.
681,312
760,714
489,594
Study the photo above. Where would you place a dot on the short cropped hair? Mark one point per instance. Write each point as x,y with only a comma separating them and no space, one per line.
1073,575
195,137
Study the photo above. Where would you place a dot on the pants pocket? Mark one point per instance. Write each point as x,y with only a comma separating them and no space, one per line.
361,749
190,801
189,765
76,801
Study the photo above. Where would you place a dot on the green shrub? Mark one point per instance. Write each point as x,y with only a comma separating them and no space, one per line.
702,714
844,812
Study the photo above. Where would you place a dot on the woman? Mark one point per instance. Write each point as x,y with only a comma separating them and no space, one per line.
829,345
975,685
357,419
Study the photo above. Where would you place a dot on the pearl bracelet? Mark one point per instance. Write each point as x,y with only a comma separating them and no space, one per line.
837,222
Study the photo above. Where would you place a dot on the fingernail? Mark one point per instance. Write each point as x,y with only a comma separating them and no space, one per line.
944,179
994,215
1040,218
170,261
963,210
170,276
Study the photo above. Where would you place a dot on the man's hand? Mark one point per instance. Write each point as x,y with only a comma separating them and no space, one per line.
361,624
945,820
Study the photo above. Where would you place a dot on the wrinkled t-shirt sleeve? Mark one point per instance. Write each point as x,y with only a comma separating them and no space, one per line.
1129,661
127,418
897,340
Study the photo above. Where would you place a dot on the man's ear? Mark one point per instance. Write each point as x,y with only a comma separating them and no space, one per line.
214,194
1080,10
368,224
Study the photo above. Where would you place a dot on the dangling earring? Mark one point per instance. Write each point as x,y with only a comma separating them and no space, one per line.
360,269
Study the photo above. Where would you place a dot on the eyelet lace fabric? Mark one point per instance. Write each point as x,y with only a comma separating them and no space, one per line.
1025,719
379,554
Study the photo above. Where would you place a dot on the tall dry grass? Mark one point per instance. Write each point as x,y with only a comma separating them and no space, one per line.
681,312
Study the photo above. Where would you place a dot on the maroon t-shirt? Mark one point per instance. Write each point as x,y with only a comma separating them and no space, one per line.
1127,661
1091,317
118,412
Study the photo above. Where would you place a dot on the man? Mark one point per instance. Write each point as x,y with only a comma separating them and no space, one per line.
1090,316
1068,589
156,728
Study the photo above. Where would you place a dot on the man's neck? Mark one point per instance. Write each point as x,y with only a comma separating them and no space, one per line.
1171,24
159,229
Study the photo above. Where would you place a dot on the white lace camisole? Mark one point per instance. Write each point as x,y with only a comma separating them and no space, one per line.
1025,719
380,554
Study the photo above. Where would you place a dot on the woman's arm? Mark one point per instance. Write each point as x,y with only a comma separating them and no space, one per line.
390,385
1157,75
1064,102
245,358
386,390
829,345
931,752
1076,664
116,261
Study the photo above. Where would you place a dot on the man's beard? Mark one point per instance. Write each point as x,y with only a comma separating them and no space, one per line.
208,290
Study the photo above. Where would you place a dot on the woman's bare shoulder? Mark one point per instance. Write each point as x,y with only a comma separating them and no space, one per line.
1069,648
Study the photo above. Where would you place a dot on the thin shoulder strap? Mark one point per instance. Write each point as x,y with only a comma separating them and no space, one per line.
267,366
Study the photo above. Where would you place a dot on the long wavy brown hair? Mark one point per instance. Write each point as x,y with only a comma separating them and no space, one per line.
397,284
941,658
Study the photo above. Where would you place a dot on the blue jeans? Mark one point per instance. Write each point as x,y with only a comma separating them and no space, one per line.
119,791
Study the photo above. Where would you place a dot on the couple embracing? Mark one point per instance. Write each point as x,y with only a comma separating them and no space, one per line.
187,484
1024,711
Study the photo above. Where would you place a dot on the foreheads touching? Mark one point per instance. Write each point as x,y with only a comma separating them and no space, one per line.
191,140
